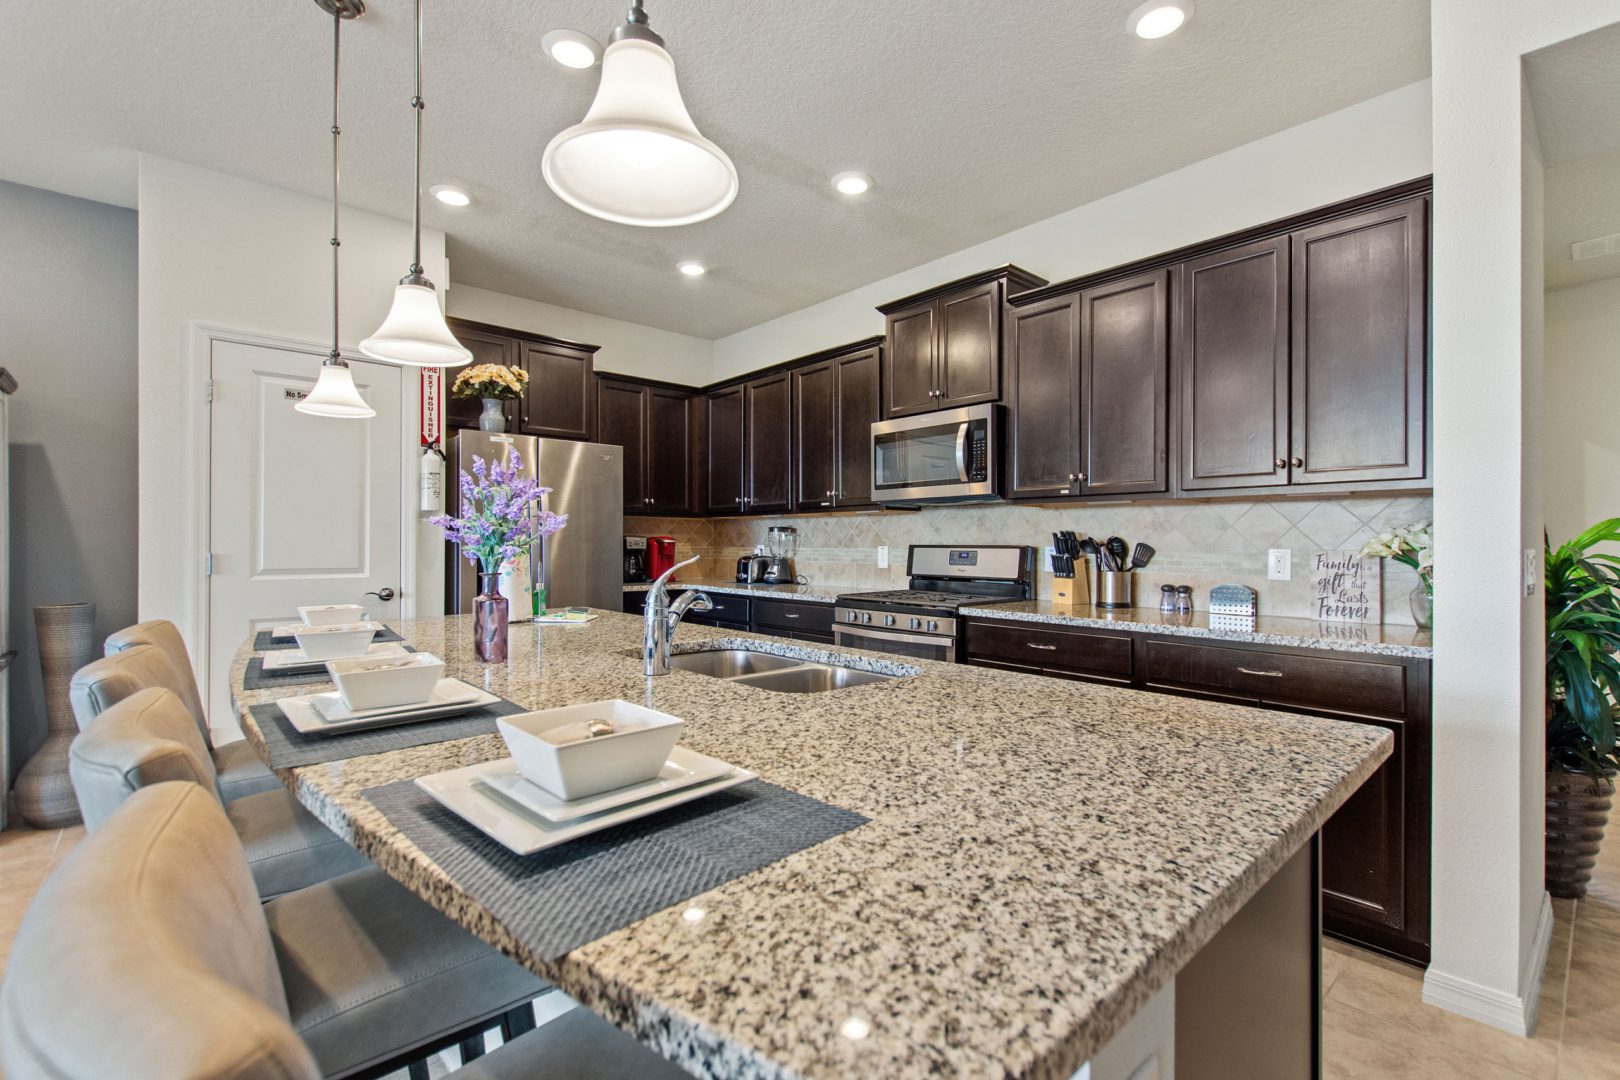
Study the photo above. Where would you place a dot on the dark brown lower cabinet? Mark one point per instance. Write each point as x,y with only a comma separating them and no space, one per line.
1375,849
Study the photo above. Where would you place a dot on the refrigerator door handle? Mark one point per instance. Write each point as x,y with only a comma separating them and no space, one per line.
6,658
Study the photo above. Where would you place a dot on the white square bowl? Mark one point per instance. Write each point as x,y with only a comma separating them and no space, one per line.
385,681
335,642
636,751
332,614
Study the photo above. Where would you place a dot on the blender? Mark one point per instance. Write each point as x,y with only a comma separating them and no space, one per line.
781,541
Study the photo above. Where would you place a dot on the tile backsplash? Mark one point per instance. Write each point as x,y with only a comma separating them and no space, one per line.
1201,544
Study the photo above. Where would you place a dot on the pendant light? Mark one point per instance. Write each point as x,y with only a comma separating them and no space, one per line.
335,394
415,333
637,158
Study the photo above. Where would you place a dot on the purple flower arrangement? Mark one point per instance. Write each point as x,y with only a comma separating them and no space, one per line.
500,514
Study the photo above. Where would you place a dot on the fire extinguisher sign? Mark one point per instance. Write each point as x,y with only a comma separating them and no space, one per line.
432,404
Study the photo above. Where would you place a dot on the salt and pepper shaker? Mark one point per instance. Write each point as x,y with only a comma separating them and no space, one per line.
1184,600
1167,599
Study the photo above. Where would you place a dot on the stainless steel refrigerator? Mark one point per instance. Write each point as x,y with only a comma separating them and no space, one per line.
581,565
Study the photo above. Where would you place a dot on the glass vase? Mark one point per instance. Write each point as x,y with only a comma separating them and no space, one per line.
1422,603
491,616
493,418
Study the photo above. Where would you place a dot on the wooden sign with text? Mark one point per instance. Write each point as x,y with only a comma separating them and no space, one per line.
1345,587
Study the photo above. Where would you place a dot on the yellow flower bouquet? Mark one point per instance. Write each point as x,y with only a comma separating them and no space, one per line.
490,381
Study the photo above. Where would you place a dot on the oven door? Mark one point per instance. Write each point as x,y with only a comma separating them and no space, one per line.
940,457
920,646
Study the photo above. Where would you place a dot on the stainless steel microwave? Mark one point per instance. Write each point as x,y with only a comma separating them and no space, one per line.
947,456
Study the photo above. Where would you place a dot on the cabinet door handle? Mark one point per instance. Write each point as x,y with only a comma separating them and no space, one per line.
1071,478
1298,463
789,615
1267,674
1043,648
1080,476
1280,463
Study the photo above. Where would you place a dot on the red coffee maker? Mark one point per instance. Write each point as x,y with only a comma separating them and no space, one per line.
660,555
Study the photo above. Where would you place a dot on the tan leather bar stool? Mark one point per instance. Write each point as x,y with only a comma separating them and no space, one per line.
149,737
151,930
239,768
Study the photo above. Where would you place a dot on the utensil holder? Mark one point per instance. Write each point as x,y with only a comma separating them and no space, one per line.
1072,592
1114,588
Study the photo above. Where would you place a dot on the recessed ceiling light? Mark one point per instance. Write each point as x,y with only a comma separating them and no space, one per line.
692,269
450,195
852,183
1156,18
570,48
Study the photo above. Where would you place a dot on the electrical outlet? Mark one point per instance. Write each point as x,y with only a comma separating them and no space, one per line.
883,556
1529,571
1280,564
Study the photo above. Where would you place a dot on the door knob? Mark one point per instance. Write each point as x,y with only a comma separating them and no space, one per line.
384,594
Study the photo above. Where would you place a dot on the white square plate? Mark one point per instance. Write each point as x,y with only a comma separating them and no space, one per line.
287,661
325,714
684,768
288,632
463,792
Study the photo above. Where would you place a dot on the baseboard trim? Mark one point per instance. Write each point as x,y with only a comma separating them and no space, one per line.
1512,1013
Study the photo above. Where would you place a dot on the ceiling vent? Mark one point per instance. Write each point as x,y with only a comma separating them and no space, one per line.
1595,248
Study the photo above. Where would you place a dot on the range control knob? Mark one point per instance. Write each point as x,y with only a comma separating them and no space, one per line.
933,624
866,618
916,624
850,616
888,620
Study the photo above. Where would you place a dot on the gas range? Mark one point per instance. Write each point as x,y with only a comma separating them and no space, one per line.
922,620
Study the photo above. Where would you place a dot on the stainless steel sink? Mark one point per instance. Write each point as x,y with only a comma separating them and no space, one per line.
811,679
731,663
767,671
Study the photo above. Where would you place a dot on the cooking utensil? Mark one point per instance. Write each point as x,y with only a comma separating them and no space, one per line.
1117,553
1141,556
1088,546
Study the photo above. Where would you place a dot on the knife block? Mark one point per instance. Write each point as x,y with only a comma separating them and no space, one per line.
1072,592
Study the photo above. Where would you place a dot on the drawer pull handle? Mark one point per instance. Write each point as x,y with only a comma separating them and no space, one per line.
1043,648
1267,674
789,615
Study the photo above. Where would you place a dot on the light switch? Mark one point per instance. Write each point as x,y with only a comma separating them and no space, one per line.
1280,564
883,556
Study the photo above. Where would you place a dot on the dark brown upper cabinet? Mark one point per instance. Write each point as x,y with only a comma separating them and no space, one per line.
560,401
1088,391
723,452
1043,398
487,347
943,347
835,403
1234,367
1359,348
768,444
1124,386
653,424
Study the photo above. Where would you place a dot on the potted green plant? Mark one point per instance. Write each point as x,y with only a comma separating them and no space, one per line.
1583,672
494,383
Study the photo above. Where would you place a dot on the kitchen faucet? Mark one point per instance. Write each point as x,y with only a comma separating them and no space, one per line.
662,617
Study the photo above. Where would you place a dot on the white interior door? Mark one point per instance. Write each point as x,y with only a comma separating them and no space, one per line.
302,509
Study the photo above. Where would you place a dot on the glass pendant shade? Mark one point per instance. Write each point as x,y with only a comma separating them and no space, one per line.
335,395
637,158
415,333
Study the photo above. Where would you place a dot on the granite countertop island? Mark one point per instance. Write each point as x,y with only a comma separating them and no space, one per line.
1041,857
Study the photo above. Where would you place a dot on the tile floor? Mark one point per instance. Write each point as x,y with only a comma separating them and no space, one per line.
1377,1027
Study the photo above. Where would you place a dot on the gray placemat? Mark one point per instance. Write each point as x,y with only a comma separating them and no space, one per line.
289,748
255,677
558,899
263,643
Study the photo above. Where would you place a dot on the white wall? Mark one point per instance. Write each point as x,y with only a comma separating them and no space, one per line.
1370,145
1581,472
1488,728
67,332
627,348
228,252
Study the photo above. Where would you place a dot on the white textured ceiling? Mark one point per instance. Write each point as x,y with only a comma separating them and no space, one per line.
1575,93
974,118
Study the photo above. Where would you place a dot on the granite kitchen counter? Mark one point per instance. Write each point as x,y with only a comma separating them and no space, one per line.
816,593
1041,856
1407,641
